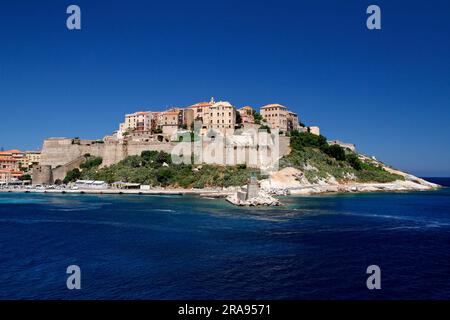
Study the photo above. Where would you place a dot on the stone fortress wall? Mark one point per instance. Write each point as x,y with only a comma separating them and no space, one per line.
60,155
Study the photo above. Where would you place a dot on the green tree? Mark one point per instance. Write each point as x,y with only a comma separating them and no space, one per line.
72,176
257,117
354,161
334,151
91,162
149,155
306,139
25,177
238,118
163,157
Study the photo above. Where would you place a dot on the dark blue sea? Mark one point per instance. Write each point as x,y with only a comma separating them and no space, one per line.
185,247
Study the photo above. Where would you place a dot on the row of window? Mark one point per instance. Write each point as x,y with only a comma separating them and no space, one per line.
218,121
276,115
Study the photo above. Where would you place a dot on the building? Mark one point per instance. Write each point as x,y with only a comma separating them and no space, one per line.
169,121
276,116
31,157
187,117
138,121
222,116
201,112
292,121
314,130
17,155
344,145
7,176
247,115
91,184
8,163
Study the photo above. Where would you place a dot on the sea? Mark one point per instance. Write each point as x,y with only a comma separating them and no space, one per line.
187,247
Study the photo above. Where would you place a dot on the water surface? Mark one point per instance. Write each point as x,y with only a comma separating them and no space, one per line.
184,247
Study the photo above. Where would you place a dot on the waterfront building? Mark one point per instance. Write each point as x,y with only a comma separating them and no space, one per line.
31,157
7,176
91,184
9,163
17,155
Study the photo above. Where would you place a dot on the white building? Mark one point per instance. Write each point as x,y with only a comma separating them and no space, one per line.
91,184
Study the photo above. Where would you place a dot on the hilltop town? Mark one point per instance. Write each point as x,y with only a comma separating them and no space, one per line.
206,144
144,130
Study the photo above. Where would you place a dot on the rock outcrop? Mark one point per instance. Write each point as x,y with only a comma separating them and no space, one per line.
292,181
263,199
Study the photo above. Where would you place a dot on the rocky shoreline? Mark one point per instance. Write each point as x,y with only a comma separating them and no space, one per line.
285,182
288,181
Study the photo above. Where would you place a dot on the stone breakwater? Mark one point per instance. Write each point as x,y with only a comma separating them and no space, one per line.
263,199
289,181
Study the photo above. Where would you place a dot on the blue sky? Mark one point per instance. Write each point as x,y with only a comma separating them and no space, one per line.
387,91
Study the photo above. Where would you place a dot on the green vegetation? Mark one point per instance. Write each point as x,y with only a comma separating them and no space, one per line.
156,169
25,177
238,119
257,117
91,162
72,176
322,160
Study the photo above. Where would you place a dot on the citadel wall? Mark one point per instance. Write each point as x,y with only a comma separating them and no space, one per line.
60,155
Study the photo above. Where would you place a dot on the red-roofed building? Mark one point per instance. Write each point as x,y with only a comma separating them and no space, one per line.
9,163
7,176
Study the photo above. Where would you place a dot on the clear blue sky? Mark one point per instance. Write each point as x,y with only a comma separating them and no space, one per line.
386,91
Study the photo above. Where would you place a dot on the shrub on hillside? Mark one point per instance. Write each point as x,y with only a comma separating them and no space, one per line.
91,162
300,140
334,151
72,176
354,161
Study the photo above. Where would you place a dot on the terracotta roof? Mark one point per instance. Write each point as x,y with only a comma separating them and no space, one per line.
11,152
171,113
200,105
8,159
11,172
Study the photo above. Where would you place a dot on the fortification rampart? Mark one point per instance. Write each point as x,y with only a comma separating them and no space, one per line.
64,154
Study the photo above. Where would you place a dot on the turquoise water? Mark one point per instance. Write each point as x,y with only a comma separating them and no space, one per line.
184,247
